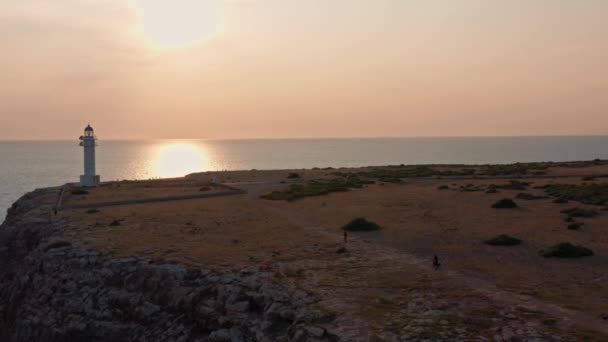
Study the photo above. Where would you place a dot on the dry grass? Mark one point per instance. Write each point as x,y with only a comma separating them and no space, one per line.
301,238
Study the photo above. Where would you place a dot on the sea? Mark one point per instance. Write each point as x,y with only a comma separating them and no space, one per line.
27,165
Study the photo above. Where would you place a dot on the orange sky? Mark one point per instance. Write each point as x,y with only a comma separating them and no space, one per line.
290,68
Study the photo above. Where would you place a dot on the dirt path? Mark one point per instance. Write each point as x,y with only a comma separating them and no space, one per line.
392,255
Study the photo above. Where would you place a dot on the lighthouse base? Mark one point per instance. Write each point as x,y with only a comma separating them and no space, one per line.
89,181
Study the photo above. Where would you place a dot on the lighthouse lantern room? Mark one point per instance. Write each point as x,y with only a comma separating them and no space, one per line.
88,141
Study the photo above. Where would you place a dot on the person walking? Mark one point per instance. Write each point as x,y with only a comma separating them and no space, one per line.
436,262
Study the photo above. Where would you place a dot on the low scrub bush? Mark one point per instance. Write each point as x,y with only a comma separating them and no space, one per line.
529,197
292,175
580,212
586,193
505,203
503,240
512,185
575,225
361,224
514,169
470,188
316,188
566,250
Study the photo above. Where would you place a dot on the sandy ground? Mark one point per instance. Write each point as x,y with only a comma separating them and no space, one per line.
383,287
138,190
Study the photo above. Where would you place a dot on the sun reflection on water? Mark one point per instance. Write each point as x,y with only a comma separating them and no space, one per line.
177,159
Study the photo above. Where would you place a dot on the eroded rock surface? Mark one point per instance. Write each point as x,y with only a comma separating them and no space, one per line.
53,289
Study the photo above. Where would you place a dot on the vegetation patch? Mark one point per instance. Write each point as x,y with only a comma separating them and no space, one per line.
575,225
503,240
505,203
566,250
394,174
560,200
79,191
580,212
316,188
361,224
470,188
596,194
529,197
115,223
512,185
515,169
293,175
92,211
443,187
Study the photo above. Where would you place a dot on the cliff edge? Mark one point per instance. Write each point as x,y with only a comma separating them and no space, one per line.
52,288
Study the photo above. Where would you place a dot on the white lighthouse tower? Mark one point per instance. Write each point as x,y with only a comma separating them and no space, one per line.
89,141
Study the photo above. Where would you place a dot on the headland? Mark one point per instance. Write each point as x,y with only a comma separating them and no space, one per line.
262,255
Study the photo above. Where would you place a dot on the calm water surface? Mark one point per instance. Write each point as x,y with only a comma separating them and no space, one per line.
29,165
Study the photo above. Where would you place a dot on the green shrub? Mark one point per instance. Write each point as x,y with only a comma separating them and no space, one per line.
512,185
529,197
503,240
596,194
566,250
514,169
316,188
580,212
505,203
394,174
293,175
575,225
361,224
470,188
79,191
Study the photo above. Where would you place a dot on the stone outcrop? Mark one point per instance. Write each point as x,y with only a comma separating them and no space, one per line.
54,289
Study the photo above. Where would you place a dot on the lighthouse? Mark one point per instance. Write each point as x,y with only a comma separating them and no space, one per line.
88,141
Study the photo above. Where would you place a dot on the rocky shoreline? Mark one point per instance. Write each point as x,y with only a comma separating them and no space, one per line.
53,289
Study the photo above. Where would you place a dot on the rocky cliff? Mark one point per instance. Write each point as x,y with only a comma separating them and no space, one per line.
53,289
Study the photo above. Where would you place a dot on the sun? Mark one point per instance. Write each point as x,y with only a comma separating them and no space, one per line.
177,23
178,159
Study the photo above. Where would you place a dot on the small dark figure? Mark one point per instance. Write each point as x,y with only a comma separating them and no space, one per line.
55,211
345,236
436,263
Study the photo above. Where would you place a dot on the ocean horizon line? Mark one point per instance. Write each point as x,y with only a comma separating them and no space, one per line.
323,138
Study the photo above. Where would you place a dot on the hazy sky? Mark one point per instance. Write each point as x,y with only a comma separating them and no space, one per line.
302,68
